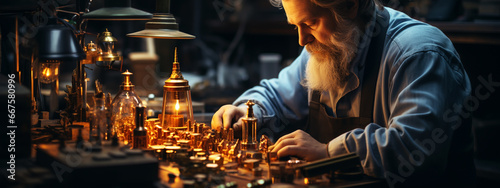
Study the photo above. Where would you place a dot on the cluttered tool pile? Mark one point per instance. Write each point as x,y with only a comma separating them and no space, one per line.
193,155
120,146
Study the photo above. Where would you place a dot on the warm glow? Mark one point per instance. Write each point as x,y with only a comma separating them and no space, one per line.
306,181
177,105
46,72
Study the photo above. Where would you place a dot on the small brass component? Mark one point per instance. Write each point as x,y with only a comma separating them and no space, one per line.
249,129
251,163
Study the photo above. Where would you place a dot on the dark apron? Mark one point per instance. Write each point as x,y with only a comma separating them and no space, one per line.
322,126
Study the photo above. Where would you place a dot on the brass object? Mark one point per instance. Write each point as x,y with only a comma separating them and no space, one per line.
249,129
272,156
264,143
91,52
106,48
177,106
254,155
251,163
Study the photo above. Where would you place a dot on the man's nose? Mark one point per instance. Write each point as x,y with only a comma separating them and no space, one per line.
305,37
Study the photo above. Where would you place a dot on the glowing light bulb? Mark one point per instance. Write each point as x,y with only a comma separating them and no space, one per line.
48,71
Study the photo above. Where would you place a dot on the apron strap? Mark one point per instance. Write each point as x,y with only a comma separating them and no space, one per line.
372,67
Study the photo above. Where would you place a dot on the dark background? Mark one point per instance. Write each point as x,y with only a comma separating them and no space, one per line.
472,25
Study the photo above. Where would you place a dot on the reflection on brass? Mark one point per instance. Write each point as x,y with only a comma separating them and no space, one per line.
249,129
234,148
106,48
177,108
251,163
272,156
264,143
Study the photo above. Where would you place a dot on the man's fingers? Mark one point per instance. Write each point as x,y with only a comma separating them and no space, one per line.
300,144
292,135
285,142
292,150
227,119
238,124
226,116
270,148
217,120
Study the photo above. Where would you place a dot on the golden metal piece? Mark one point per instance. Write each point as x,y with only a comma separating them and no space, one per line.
126,84
230,135
106,43
272,156
251,163
249,129
177,108
254,155
217,159
234,148
91,52
176,81
264,143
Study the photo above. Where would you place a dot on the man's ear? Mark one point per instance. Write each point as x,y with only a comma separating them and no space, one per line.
352,8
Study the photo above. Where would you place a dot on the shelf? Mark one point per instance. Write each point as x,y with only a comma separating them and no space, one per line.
471,32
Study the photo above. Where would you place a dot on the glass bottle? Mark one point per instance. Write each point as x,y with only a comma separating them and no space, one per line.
100,120
124,104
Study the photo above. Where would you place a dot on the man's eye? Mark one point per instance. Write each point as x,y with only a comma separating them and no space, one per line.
311,24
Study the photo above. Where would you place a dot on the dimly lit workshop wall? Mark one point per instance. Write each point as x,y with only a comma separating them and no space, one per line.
472,25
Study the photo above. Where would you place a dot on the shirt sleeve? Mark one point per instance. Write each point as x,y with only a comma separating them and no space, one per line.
423,87
280,101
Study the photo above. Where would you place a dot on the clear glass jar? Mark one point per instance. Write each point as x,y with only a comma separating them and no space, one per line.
100,120
123,115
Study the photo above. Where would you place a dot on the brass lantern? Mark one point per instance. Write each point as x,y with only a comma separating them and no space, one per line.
177,108
106,48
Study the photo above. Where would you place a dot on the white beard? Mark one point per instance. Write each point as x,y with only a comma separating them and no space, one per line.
328,66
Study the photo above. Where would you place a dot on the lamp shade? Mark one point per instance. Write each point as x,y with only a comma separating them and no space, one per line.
117,10
163,25
161,34
56,42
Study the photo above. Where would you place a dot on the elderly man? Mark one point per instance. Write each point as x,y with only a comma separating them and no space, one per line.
371,80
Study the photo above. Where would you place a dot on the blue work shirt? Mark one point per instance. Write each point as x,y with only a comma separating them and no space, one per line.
421,82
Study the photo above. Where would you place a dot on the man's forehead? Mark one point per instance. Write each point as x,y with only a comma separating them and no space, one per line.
298,11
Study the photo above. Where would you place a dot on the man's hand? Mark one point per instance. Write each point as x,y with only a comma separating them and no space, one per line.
300,144
226,115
